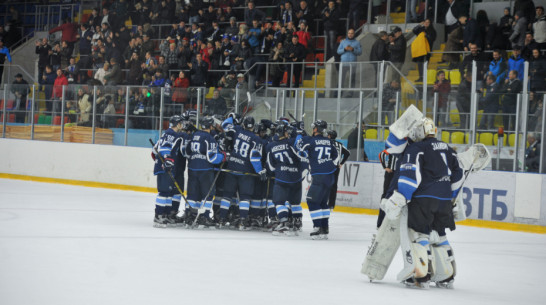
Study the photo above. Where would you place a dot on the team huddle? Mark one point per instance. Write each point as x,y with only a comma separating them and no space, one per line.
242,177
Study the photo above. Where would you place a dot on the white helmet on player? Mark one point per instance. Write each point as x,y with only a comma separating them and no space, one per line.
428,127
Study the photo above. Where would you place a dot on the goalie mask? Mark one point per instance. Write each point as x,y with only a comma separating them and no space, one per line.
429,128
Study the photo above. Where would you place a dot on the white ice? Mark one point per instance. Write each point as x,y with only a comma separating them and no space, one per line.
62,244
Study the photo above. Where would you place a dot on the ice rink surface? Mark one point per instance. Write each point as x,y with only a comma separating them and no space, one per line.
62,244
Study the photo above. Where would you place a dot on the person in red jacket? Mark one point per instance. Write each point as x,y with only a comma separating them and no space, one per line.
303,34
57,94
69,32
443,87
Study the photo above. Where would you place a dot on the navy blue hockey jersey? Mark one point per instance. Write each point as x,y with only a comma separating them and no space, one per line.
283,161
430,168
320,151
202,151
246,154
166,147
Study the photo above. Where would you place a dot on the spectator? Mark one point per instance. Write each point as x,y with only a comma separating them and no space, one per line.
529,45
86,108
113,77
57,93
397,49
69,32
464,92
303,12
453,11
380,50
71,71
65,55
42,49
512,87
527,9
134,77
276,57
535,110
497,67
101,72
455,44
389,101
85,40
481,62
330,17
420,45
4,53
442,86
517,38
162,66
349,49
254,36
490,102
227,84
232,29
147,45
47,80
199,70
217,105
94,19
287,14
20,89
539,28
180,88
239,55
304,37
355,12
109,113
532,154
537,72
516,62
494,38
505,25
295,53
241,86
252,13
214,33
471,34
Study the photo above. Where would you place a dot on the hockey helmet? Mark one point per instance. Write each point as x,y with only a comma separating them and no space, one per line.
206,122
260,127
248,122
236,118
332,134
320,125
189,114
428,127
175,120
281,129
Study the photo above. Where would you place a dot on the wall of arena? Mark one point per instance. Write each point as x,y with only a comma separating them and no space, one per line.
493,199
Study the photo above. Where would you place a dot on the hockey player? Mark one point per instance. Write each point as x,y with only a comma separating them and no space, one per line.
322,156
344,154
430,178
244,159
258,202
203,153
168,198
284,162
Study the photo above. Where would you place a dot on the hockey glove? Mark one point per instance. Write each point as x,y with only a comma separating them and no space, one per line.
168,164
393,205
224,159
263,175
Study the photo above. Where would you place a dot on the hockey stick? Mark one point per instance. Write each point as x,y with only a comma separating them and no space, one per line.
202,208
169,172
240,173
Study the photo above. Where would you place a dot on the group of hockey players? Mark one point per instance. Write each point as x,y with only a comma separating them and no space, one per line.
240,176
420,201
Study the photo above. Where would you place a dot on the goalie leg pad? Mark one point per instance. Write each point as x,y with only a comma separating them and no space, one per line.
382,250
420,250
443,262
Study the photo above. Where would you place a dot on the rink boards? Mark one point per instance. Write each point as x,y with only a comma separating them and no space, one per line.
490,197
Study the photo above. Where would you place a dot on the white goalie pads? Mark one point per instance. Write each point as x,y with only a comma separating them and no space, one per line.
393,205
475,158
406,122
382,250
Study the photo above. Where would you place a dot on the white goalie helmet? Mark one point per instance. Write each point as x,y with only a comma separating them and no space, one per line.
428,127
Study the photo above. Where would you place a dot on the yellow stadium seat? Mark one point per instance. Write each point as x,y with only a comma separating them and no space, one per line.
210,93
512,139
431,77
455,77
371,134
496,139
386,134
486,138
457,137
445,136
454,117
467,138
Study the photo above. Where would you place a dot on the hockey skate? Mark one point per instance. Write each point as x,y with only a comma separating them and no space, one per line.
417,283
160,221
282,229
296,225
256,223
205,222
320,233
272,224
244,225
